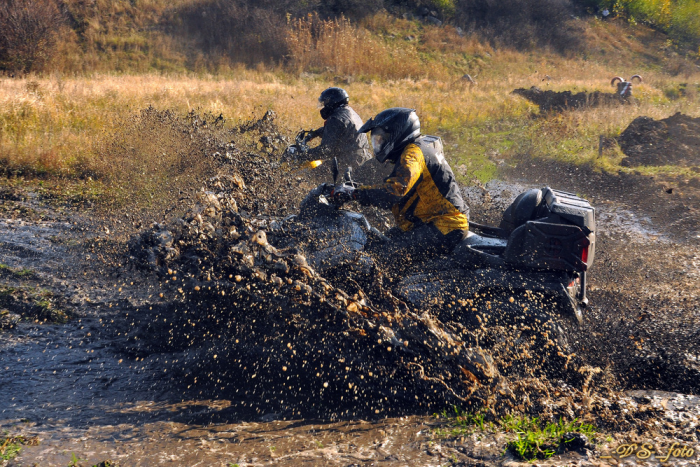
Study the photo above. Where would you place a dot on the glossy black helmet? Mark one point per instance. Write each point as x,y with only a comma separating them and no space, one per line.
333,97
392,130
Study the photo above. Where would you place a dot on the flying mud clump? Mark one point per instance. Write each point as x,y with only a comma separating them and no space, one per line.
244,315
553,101
251,318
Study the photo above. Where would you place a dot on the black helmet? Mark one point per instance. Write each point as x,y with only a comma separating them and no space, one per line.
392,130
333,97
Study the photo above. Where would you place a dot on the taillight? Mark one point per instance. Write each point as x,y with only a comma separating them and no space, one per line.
584,255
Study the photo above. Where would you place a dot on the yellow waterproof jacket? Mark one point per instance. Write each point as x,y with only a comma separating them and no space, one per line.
420,189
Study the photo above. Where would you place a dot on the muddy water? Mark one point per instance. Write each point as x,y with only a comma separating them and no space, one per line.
81,398
64,384
68,385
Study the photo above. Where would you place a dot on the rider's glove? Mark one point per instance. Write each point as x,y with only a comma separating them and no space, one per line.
343,194
297,152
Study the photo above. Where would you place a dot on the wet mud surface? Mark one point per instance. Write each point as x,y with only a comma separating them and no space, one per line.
644,313
106,385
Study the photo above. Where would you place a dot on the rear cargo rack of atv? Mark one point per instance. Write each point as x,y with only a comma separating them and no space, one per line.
573,208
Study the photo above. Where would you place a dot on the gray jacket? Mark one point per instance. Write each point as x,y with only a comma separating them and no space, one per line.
341,140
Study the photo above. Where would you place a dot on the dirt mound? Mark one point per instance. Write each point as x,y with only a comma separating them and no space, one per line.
553,101
671,141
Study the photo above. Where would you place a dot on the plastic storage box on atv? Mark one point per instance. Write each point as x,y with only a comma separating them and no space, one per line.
541,229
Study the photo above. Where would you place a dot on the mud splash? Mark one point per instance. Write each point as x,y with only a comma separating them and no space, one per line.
258,320
250,317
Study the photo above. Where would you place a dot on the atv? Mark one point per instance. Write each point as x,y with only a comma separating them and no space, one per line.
542,248
532,267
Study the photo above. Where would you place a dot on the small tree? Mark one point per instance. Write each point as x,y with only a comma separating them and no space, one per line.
27,33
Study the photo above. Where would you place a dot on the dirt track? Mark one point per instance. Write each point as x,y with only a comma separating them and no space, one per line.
73,389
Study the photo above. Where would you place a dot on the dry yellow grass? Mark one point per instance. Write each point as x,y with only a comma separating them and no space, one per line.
52,124
340,47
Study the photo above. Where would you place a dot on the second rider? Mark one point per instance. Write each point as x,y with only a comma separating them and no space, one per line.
341,139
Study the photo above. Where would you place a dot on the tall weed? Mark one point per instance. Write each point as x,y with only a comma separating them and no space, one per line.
337,46
27,33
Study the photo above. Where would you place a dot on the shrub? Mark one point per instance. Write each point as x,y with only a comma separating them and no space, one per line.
685,21
27,31
678,18
353,9
446,7
525,24
242,30
656,12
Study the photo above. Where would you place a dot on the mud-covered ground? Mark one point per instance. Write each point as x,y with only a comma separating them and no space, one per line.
76,375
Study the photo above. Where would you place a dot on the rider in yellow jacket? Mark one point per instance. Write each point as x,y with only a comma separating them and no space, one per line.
421,191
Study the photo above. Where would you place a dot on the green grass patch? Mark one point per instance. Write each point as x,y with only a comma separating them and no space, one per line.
20,273
475,151
10,446
32,304
461,423
75,460
9,450
534,438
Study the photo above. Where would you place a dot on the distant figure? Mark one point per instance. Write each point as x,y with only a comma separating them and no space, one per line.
606,13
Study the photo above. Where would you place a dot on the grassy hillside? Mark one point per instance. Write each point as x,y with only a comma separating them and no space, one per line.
77,36
56,123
